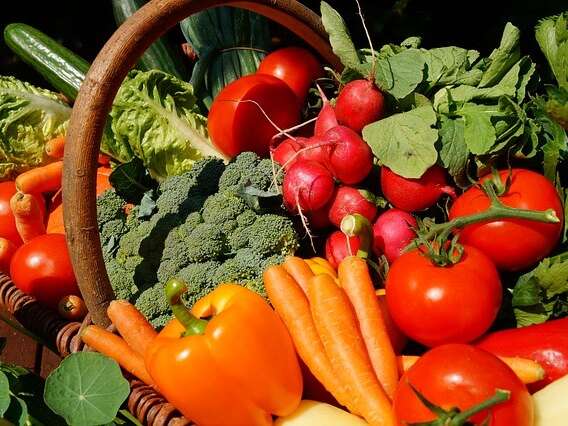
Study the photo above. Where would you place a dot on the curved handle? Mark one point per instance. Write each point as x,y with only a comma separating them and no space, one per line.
93,104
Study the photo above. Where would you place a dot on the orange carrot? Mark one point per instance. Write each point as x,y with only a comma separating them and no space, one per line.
41,179
116,348
527,370
7,250
132,325
339,332
291,304
299,270
54,147
27,215
355,279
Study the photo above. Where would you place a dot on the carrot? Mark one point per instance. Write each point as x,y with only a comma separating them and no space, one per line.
355,279
116,348
7,250
291,304
54,147
527,370
132,325
299,270
339,332
41,179
27,215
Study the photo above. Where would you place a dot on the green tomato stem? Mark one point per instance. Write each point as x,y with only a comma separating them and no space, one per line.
193,325
356,225
498,397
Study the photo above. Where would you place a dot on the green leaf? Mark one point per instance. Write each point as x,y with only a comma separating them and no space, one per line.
557,105
503,58
131,180
400,74
147,205
405,142
17,413
454,153
4,394
157,116
450,65
479,133
86,389
339,37
552,37
29,117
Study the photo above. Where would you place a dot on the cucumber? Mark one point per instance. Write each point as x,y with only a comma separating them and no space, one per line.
63,69
160,55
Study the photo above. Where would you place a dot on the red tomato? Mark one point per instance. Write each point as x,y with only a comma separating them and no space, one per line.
42,269
236,126
462,376
435,305
7,223
296,66
513,244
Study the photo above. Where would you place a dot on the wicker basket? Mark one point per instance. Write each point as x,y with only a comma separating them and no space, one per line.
90,111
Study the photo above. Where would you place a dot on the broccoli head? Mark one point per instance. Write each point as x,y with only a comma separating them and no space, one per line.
272,234
247,169
221,207
199,279
110,206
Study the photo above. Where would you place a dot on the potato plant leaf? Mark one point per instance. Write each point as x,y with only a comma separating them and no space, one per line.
405,142
87,389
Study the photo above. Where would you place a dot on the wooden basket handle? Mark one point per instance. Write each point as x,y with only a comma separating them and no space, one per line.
94,102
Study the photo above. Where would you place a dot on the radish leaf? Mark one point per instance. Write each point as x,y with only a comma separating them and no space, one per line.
405,142
87,389
339,37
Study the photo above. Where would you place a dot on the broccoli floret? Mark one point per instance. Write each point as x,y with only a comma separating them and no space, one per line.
199,279
205,242
153,304
193,220
110,207
265,174
121,280
246,218
247,169
111,232
221,207
272,234
186,193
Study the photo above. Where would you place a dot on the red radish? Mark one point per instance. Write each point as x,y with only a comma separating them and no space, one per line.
316,149
349,200
415,194
326,118
351,159
307,186
358,104
338,246
319,219
285,151
392,233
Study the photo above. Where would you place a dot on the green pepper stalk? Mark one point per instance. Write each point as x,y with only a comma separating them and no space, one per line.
193,325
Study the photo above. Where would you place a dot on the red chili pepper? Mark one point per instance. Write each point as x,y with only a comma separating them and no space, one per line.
545,343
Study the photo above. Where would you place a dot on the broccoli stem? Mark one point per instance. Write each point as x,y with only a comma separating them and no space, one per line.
193,325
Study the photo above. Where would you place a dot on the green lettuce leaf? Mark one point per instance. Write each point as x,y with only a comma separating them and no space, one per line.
405,142
29,117
156,115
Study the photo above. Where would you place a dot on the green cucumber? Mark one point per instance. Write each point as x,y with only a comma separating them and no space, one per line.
63,69
160,55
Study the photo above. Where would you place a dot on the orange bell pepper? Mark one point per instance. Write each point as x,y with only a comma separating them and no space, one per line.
238,367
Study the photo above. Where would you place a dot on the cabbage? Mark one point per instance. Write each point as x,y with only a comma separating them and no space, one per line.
156,115
29,117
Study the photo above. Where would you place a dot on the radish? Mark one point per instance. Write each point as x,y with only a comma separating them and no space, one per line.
285,151
392,233
351,159
415,194
338,246
349,200
315,149
358,104
319,219
326,118
307,186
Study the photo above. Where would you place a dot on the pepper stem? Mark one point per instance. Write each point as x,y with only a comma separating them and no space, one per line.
356,225
193,325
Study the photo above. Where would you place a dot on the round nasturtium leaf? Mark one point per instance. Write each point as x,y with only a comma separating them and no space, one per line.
87,389
4,394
